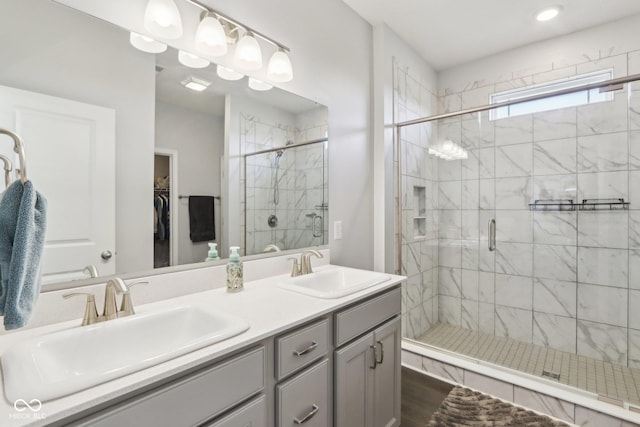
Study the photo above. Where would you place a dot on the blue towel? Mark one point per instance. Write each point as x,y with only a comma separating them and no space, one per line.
22,230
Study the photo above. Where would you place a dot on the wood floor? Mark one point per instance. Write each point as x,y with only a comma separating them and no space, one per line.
421,396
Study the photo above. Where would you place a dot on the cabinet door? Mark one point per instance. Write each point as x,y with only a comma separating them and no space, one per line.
386,388
353,379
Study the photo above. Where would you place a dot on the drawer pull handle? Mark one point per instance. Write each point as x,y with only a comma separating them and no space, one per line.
375,356
379,362
312,347
314,411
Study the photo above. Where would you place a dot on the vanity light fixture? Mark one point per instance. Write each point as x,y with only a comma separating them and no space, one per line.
211,38
192,61
227,73
248,55
162,19
548,13
146,44
195,84
279,68
259,85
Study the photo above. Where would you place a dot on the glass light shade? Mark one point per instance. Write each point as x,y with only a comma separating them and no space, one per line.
279,69
190,60
228,74
259,85
162,19
146,44
248,55
210,37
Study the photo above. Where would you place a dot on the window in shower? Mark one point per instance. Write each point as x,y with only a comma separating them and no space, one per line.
554,102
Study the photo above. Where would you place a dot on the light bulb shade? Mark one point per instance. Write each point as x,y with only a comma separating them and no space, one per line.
162,19
210,37
146,44
279,69
259,85
228,74
248,55
190,60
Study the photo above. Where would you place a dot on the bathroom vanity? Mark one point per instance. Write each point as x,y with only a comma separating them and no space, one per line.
303,360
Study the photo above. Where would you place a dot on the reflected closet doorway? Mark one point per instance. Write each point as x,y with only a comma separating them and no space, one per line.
165,208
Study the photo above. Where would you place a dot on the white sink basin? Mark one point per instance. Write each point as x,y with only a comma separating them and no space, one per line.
334,282
61,363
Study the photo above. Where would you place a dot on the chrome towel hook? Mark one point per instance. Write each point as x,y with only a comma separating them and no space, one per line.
18,147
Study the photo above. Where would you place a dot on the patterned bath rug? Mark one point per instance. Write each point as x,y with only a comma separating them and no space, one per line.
468,408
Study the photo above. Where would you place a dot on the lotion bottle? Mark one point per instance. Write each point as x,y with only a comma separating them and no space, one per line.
213,252
235,280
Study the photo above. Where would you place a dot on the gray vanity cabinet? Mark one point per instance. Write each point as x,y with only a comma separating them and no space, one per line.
367,370
340,369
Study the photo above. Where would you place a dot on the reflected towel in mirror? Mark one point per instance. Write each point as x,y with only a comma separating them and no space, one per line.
201,219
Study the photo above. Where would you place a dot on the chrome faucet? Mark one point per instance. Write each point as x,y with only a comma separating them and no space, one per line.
114,286
304,267
271,248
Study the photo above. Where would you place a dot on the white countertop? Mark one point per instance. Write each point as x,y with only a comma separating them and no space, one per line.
267,308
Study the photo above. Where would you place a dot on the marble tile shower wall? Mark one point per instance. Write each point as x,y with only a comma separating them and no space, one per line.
414,98
301,182
566,280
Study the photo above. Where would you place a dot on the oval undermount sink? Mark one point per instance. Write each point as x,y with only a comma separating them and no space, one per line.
333,283
57,364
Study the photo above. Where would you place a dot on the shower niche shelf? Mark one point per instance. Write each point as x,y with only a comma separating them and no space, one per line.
419,211
586,205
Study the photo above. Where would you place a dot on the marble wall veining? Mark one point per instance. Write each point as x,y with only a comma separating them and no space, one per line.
566,280
413,98
302,184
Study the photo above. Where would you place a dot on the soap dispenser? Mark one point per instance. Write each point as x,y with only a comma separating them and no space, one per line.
213,252
235,279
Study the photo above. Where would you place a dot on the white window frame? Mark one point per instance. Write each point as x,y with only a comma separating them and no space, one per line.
553,102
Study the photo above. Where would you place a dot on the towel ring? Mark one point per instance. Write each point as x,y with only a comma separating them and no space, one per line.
18,147
8,167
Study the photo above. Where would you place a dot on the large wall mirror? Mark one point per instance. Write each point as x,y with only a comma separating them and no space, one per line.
128,156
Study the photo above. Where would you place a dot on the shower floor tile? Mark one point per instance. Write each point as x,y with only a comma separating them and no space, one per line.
603,378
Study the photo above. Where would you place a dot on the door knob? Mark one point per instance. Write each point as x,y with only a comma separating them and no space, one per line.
106,255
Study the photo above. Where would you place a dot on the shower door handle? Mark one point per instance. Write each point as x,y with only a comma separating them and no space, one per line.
492,235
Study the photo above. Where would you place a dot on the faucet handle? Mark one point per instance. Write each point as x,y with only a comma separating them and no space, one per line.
126,308
295,269
90,312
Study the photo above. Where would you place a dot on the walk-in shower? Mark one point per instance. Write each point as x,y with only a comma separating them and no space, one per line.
519,231
286,190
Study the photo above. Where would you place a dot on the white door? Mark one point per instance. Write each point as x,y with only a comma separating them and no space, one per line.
70,152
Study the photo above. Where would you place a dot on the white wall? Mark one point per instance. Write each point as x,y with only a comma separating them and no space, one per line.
83,60
199,139
331,55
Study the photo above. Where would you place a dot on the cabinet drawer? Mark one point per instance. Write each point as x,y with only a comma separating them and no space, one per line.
192,400
305,397
363,317
252,414
301,347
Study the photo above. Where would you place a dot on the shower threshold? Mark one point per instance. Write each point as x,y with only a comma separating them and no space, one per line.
595,376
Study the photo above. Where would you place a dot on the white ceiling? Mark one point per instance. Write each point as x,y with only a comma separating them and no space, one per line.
451,32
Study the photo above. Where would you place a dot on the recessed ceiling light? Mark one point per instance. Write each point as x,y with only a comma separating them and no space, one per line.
548,13
195,83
